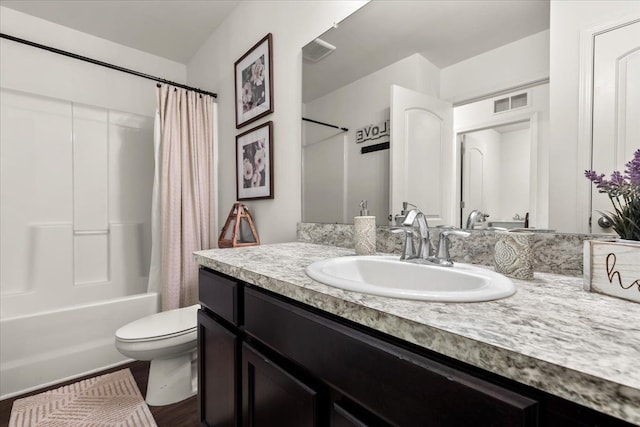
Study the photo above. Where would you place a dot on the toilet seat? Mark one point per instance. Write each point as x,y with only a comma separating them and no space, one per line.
161,326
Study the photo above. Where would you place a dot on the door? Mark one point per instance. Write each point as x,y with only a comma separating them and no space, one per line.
472,179
273,397
218,373
616,107
421,165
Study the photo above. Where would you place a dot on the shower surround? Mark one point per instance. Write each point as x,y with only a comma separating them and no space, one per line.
75,217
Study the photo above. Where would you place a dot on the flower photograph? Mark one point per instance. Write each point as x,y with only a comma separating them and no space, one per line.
253,161
254,83
254,164
253,92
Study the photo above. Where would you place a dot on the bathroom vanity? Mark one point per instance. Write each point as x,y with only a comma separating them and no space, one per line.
279,349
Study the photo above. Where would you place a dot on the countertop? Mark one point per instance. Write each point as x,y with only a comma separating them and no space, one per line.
552,335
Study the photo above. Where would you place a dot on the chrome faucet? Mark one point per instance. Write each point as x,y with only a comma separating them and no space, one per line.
425,250
474,217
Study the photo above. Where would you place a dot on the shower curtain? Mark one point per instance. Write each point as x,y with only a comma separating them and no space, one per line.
184,194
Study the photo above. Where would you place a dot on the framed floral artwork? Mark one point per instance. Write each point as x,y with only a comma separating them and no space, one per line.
254,83
254,163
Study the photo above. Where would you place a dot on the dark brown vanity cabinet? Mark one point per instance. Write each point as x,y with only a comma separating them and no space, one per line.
238,384
267,361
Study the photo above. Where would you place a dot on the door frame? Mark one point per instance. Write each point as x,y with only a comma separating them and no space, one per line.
585,113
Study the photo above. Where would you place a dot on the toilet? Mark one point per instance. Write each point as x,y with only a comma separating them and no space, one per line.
169,340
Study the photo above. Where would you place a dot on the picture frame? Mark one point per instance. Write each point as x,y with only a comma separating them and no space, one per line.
254,82
254,163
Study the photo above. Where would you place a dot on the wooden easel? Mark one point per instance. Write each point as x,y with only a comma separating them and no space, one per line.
239,230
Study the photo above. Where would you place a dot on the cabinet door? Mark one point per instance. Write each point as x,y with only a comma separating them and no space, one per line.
344,415
272,397
218,373
341,418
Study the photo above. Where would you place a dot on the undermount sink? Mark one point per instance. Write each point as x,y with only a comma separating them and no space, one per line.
388,276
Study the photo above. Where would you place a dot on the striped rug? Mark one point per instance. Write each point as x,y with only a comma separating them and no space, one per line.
110,400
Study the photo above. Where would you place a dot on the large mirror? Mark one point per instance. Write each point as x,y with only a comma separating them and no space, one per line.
373,85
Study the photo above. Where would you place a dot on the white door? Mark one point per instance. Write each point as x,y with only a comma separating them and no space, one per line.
421,157
473,159
616,107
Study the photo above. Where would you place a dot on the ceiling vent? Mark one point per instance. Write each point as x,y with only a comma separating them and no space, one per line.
511,102
316,50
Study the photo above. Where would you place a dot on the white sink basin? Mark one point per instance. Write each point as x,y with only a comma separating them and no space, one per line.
390,277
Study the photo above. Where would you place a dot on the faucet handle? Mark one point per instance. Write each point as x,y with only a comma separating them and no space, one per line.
408,248
443,244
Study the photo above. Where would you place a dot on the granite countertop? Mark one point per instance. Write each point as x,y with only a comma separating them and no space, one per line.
551,334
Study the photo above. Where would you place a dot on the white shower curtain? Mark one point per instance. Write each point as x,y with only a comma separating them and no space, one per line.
156,243
186,192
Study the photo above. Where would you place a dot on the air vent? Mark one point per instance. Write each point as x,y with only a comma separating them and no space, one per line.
316,50
511,102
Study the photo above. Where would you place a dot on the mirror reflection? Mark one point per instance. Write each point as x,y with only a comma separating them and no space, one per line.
496,176
473,137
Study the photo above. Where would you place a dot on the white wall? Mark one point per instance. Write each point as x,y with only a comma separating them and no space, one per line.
514,174
33,70
293,25
568,20
366,102
517,63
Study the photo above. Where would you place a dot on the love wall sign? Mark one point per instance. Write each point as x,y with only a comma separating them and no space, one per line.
612,268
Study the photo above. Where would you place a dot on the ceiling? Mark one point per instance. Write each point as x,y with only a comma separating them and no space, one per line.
443,31
379,34
167,28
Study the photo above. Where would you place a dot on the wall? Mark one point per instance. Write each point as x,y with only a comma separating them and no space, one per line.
359,104
78,81
517,63
568,20
293,25
514,174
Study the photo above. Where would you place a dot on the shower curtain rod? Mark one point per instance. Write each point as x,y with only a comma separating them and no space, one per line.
325,124
105,64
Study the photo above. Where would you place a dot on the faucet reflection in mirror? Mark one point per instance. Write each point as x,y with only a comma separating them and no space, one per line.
476,217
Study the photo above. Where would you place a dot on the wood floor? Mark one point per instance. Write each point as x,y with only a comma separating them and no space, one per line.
181,414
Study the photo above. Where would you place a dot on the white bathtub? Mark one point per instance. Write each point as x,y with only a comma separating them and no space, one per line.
48,347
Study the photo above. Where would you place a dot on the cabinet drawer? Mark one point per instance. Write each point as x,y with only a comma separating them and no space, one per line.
219,295
374,373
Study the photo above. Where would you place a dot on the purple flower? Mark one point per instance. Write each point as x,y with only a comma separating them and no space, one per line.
633,169
624,192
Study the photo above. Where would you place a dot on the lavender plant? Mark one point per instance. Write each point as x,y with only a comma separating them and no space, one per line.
624,192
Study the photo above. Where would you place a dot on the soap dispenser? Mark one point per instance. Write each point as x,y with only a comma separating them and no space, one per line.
365,231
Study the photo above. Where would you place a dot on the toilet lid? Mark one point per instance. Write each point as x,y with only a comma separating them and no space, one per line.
161,325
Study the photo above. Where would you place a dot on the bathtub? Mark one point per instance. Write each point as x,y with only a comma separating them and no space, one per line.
48,347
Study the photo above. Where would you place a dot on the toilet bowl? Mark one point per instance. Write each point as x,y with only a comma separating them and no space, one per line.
169,340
